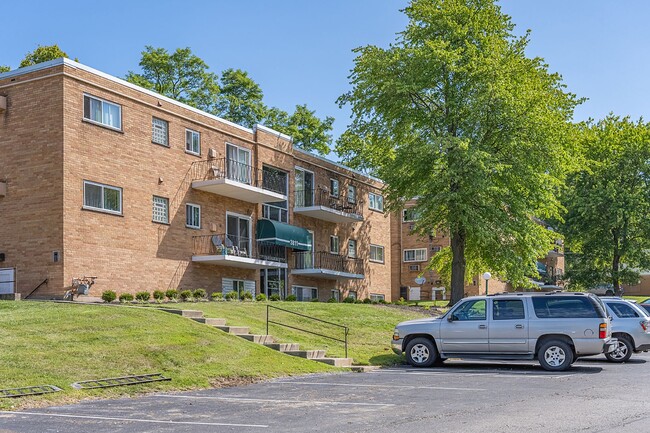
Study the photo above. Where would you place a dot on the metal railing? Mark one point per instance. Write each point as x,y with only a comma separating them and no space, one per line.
327,260
45,281
239,246
322,197
224,168
269,321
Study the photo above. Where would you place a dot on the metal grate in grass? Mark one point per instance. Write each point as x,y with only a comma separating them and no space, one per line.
120,381
28,390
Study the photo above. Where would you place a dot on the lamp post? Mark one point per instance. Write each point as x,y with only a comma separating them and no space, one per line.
487,277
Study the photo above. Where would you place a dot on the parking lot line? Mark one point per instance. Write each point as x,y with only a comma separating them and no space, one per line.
150,421
361,385
280,401
470,374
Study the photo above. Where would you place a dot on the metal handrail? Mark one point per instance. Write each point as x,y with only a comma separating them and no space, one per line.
327,260
345,328
229,245
322,197
45,281
224,168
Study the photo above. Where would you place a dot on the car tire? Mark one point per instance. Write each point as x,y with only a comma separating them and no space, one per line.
623,351
421,352
555,355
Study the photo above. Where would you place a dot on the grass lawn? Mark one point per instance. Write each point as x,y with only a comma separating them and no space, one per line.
58,344
636,298
370,326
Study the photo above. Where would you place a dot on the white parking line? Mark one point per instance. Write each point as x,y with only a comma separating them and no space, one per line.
353,385
150,421
469,374
281,401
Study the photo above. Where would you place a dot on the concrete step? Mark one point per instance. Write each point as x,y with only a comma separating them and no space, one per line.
283,347
210,321
336,362
259,339
236,330
190,314
87,299
309,354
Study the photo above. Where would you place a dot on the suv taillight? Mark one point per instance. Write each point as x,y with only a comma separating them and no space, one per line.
645,324
602,331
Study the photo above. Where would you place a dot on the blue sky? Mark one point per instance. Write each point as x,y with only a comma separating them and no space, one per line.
300,51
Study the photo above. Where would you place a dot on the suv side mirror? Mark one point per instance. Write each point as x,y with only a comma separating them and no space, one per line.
451,318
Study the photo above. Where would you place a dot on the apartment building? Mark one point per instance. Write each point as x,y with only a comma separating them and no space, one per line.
102,178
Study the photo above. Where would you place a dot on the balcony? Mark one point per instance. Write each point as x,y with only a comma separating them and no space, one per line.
237,180
327,265
321,205
237,252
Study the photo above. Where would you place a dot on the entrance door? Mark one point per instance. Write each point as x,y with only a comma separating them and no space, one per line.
238,232
304,188
7,281
239,164
273,282
468,331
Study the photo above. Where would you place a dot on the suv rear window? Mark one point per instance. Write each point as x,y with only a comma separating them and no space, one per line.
563,307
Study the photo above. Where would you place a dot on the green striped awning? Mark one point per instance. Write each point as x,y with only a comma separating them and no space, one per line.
283,234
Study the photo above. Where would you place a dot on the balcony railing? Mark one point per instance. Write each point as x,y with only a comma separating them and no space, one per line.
328,261
237,246
236,171
322,197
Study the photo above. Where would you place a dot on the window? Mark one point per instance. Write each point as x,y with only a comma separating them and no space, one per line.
304,185
508,309
192,142
415,255
193,216
102,112
436,249
352,294
470,310
553,307
160,210
375,297
376,202
102,197
334,187
304,293
410,215
376,253
352,194
414,268
275,180
238,231
623,311
334,245
335,294
352,249
159,131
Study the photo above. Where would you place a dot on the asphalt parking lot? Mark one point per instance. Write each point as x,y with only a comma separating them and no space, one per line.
469,397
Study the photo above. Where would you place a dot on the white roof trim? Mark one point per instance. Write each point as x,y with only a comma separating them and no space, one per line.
272,131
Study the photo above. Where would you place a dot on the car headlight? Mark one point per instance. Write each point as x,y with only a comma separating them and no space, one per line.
396,335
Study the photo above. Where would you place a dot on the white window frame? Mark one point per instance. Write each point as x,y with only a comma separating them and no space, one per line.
192,205
157,205
313,293
336,295
350,243
352,194
313,178
352,294
338,187
155,127
422,251
250,228
102,208
375,202
334,238
414,268
377,247
376,297
192,151
101,122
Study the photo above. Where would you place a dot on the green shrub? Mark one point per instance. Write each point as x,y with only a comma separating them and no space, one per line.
383,301
109,296
349,300
126,297
231,296
401,301
291,298
261,297
217,296
200,294
332,301
358,301
314,299
186,295
172,295
246,296
274,298
143,296
158,295
367,301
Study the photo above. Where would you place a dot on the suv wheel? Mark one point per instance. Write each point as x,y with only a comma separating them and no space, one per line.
622,352
421,352
555,355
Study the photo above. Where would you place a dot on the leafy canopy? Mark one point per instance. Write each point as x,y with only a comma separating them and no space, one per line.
608,203
43,53
455,114
233,95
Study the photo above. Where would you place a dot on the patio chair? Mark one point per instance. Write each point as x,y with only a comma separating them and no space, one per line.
219,248
231,248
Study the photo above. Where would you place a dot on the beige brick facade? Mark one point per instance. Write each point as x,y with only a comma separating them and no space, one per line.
49,150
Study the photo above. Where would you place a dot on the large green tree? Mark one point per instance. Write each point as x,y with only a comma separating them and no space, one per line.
455,114
607,226
42,53
241,98
4,69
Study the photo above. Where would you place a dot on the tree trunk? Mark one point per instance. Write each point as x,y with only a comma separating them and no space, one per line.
457,266
615,279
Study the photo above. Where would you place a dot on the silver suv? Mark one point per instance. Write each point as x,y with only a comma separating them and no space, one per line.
630,327
555,328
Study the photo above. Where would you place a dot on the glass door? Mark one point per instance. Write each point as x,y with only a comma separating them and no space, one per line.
238,233
304,188
273,282
238,164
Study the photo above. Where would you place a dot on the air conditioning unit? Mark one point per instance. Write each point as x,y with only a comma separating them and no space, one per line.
212,153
